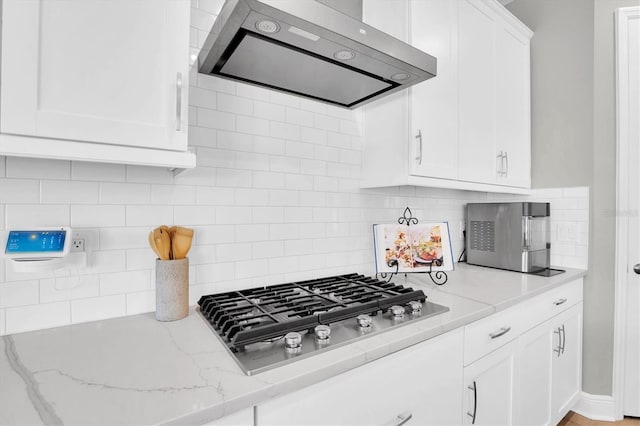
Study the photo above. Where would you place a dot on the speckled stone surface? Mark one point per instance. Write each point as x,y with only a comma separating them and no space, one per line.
172,289
136,370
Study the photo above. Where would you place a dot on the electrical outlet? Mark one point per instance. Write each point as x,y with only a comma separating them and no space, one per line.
77,245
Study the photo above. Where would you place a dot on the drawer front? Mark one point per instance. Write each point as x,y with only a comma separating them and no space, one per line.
488,334
551,303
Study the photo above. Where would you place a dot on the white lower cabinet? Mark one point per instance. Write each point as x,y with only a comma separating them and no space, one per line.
489,388
416,386
239,418
567,364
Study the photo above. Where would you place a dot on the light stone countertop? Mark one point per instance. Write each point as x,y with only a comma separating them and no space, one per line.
136,370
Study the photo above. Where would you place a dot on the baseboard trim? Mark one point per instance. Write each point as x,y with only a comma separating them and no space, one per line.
596,407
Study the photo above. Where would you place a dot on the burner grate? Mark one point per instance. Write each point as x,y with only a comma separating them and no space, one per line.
261,314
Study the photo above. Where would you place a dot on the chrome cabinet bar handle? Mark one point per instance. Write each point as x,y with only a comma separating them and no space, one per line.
474,388
558,350
501,332
179,102
419,138
403,418
564,338
501,167
560,301
506,158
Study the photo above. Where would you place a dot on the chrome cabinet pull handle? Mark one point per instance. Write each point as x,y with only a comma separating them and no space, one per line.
419,138
501,332
560,301
474,388
501,167
506,160
558,350
564,338
403,418
179,102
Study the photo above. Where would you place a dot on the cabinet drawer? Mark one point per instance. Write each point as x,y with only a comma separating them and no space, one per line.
490,333
551,303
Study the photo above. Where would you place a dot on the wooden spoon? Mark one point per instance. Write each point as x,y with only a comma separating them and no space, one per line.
182,242
163,243
152,243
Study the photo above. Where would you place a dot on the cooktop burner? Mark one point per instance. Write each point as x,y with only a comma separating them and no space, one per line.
266,327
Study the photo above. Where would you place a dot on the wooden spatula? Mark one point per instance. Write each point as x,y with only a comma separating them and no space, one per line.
152,243
163,243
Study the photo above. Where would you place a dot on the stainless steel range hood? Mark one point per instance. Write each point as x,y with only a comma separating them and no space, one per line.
307,48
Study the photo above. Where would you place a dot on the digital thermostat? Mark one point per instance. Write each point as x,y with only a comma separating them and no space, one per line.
39,243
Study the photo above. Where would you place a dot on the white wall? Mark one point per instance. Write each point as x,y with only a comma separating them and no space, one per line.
275,197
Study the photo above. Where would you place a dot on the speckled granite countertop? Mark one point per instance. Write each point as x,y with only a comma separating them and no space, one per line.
136,370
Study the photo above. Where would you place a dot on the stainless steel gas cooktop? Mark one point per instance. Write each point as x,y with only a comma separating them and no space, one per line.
267,327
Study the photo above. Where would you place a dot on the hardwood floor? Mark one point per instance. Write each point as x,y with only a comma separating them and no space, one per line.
573,419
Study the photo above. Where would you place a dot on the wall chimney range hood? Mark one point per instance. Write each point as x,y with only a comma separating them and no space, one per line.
310,49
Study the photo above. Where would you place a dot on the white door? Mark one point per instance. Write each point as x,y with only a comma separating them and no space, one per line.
476,73
490,388
434,103
630,131
96,71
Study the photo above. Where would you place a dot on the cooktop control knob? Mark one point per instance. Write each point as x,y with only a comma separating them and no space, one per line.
323,332
293,340
416,307
397,311
364,321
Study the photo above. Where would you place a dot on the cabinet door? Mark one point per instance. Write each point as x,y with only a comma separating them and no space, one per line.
489,386
513,107
113,72
567,365
434,103
535,349
421,383
476,73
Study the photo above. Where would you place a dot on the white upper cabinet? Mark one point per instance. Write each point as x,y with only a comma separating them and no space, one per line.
435,134
113,73
477,97
468,127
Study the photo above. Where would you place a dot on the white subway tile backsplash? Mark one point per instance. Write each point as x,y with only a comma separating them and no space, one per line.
203,136
216,119
234,178
235,104
253,125
97,216
233,252
194,215
232,215
284,198
250,233
298,182
285,99
251,268
215,196
173,194
142,258
266,145
285,131
215,272
98,308
216,84
119,238
299,149
124,193
252,161
284,231
37,215
326,122
267,249
235,141
253,92
268,111
69,192
125,282
140,302
202,98
270,180
36,317
69,288
201,19
284,164
37,168
201,176
251,197
215,234
18,293
19,191
105,261
3,166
